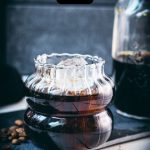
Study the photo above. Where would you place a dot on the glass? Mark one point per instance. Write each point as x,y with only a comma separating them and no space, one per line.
67,96
131,58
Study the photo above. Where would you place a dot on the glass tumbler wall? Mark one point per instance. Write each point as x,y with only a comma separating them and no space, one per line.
67,96
131,57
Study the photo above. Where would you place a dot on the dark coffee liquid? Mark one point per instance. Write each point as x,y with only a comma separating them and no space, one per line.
132,80
68,122
68,105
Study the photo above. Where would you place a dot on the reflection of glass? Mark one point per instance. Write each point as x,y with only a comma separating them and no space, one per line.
131,57
67,95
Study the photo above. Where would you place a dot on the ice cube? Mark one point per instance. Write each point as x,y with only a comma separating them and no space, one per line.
76,61
73,77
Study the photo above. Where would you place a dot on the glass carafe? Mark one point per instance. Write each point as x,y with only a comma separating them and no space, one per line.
67,96
131,57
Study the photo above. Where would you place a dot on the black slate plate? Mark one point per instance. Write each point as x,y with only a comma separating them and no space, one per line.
125,129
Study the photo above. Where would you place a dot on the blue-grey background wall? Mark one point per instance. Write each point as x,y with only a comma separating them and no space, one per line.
43,26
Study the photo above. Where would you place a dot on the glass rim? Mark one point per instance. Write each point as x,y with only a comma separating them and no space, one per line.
41,60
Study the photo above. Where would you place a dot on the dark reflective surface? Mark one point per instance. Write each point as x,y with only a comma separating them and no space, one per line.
68,132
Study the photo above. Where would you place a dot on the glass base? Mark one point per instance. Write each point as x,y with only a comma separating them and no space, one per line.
131,116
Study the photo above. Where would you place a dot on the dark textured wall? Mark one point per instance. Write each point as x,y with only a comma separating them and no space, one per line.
2,32
36,27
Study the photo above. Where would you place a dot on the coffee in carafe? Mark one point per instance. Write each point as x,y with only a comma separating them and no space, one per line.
132,80
131,58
